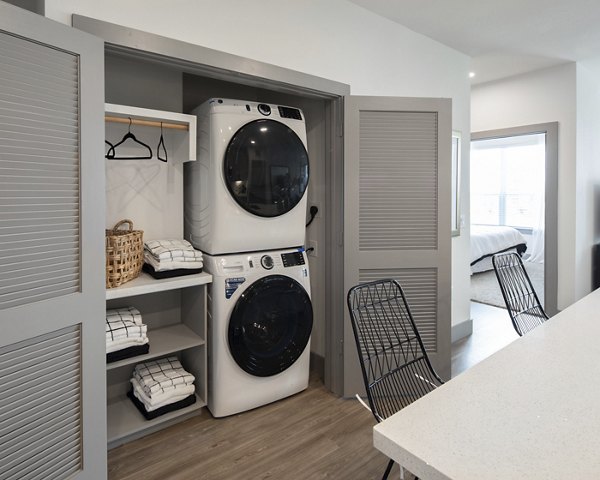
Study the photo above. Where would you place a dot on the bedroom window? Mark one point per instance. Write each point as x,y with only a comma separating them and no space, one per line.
507,181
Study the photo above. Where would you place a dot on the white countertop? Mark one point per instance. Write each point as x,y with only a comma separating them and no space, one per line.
530,411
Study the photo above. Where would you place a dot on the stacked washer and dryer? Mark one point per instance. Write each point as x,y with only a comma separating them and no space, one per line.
245,208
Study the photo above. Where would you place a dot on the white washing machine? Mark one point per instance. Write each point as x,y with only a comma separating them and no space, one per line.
247,190
260,320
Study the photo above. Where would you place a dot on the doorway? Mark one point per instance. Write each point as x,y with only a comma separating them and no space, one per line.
514,179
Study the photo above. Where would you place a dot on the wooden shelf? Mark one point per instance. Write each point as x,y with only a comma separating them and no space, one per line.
146,284
163,341
148,116
125,422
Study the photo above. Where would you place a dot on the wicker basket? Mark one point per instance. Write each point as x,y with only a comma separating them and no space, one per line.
124,254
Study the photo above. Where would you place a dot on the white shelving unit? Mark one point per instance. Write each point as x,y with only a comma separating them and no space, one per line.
147,284
146,117
150,193
175,312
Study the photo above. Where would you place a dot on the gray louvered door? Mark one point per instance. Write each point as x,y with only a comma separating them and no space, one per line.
52,372
397,213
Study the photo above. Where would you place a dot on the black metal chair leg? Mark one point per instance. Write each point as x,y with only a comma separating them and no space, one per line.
394,363
388,470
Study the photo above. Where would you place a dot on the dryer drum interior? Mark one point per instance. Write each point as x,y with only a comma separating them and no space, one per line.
266,168
270,325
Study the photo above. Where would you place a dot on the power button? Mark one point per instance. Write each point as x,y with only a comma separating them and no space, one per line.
264,109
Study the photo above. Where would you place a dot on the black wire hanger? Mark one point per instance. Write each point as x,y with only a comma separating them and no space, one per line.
111,147
161,142
112,152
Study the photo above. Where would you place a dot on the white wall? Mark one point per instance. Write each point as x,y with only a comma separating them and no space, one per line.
588,171
335,39
547,95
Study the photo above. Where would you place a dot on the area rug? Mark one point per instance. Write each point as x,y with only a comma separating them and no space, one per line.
485,288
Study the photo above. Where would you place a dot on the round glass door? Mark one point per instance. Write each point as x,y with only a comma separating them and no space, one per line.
270,325
266,168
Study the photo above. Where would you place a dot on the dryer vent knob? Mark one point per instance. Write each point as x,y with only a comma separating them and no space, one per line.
267,262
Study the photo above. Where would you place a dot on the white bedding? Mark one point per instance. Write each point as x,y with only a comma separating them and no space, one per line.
487,240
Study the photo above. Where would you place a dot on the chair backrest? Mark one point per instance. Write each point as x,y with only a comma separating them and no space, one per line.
394,363
522,302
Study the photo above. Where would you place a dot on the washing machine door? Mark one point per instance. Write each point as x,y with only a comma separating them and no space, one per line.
266,168
270,325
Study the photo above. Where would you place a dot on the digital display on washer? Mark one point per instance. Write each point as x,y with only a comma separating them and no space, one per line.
292,259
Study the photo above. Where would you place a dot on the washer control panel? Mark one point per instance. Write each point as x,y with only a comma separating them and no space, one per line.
275,260
292,259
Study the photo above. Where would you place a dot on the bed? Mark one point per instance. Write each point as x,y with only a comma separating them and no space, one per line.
487,240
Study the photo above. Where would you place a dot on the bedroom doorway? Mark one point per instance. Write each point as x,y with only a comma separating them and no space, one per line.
513,208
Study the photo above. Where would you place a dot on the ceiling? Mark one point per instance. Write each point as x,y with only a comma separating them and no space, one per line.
504,38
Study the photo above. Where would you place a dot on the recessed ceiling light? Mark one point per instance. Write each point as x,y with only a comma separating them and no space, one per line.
471,74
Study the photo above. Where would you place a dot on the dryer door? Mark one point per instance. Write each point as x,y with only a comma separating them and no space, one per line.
270,325
266,168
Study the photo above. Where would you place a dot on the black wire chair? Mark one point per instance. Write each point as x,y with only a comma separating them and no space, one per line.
394,363
522,302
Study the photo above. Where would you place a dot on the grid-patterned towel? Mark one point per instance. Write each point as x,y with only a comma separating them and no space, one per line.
125,313
124,323
160,400
161,376
172,250
165,265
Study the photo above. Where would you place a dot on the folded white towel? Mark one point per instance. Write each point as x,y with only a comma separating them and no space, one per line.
157,401
163,266
120,344
170,249
127,331
124,323
161,375
124,313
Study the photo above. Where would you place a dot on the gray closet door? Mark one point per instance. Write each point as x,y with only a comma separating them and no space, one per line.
52,370
397,154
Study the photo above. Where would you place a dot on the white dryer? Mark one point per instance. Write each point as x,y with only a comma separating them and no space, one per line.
260,320
247,190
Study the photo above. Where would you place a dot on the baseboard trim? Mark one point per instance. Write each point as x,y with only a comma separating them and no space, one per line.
461,330
317,364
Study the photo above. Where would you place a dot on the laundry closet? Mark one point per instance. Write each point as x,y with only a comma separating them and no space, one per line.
151,193
376,163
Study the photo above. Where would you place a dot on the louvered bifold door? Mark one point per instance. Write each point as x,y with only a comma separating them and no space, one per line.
40,407
39,173
52,370
397,212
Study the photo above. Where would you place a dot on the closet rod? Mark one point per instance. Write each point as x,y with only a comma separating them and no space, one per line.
146,123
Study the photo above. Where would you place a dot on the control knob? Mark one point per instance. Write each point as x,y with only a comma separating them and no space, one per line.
267,262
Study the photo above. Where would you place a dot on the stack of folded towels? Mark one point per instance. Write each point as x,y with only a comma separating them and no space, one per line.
126,335
171,258
161,386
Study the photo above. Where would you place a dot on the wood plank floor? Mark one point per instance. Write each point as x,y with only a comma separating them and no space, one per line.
492,331
312,435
